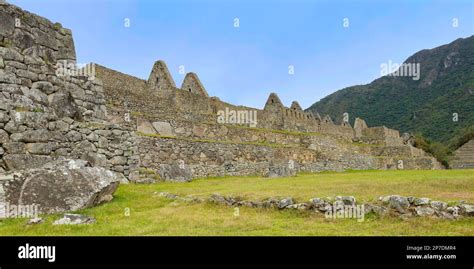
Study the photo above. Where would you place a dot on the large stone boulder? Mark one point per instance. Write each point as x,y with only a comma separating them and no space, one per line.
175,172
396,202
60,186
281,170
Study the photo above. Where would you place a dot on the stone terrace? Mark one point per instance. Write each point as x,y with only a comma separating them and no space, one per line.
151,130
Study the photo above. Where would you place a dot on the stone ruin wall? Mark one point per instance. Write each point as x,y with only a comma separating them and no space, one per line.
127,93
463,157
45,114
142,128
180,125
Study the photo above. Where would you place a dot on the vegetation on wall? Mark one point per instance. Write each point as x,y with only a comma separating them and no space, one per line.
437,149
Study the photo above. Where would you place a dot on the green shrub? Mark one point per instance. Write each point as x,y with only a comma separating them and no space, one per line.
438,150
462,137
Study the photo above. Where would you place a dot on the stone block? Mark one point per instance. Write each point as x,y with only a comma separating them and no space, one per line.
163,128
175,172
145,127
39,148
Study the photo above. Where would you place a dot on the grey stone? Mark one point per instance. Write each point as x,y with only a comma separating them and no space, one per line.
319,204
408,139
218,199
93,137
61,126
421,201
338,204
134,175
199,131
35,221
11,54
74,219
378,210
4,137
27,74
4,117
62,185
39,148
96,159
467,209
299,206
282,170
398,203
44,86
175,172
85,146
74,136
163,128
347,200
144,180
40,135
14,147
16,65
11,89
423,211
270,203
438,205
453,210
103,142
445,215
285,202
23,39
64,106
167,195
145,127
24,161
8,77
45,39
118,160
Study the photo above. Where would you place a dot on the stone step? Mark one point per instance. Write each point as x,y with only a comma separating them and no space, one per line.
465,155
465,165
464,158
462,161
462,166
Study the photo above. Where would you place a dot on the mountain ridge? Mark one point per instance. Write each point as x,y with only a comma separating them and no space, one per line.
431,105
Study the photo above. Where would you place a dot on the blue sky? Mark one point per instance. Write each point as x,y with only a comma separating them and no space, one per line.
243,65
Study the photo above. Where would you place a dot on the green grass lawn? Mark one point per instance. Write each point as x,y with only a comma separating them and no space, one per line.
136,210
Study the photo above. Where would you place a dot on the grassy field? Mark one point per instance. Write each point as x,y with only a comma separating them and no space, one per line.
137,210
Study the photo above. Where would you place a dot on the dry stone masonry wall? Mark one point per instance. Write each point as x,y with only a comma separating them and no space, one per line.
180,132
150,130
391,205
48,109
464,156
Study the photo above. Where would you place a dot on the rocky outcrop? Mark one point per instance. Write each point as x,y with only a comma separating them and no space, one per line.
60,186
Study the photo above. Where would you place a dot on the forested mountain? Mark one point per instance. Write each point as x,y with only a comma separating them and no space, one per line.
426,106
